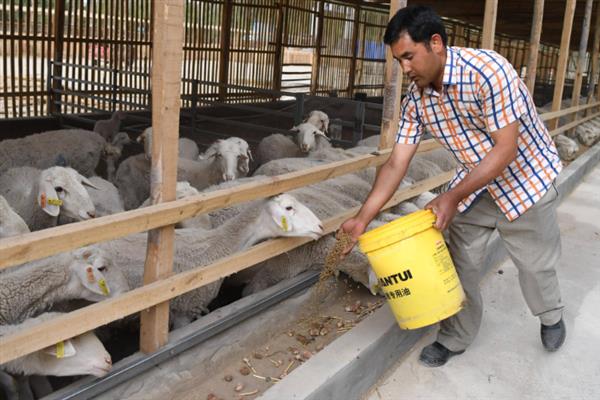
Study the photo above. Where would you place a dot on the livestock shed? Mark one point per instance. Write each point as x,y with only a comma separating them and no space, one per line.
214,79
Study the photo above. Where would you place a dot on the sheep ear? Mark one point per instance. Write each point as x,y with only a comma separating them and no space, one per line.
321,133
46,195
86,182
295,129
92,279
62,349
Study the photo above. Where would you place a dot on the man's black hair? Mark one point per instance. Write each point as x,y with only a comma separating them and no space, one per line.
420,22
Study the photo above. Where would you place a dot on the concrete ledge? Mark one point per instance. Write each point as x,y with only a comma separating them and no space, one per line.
351,365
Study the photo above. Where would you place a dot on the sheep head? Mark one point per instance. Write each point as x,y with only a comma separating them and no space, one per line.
231,157
306,136
292,218
95,275
60,190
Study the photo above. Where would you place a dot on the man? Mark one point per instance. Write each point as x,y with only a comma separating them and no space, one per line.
476,106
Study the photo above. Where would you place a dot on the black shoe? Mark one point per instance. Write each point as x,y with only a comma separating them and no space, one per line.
436,355
553,336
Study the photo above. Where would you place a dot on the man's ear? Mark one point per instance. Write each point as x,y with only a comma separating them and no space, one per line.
436,43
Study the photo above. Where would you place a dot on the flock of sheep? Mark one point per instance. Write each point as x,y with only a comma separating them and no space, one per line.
49,179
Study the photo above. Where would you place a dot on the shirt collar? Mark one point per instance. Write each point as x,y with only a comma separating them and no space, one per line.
450,69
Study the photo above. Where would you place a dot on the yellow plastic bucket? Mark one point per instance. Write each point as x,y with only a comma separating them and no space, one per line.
414,269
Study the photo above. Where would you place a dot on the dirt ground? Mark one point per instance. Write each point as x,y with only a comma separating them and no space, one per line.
263,366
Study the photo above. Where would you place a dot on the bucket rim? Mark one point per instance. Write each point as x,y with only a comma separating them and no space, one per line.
396,231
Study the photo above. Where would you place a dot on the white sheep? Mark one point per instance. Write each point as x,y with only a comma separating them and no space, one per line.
231,148
310,138
104,195
278,216
224,162
80,355
108,128
80,149
318,119
11,224
371,141
188,148
87,273
276,146
184,189
567,147
440,157
40,196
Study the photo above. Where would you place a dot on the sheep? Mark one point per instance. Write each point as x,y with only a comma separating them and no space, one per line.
40,196
184,189
188,149
112,153
371,141
80,149
223,162
87,273
567,147
587,134
108,128
310,138
276,146
11,224
440,157
318,119
278,216
231,147
80,355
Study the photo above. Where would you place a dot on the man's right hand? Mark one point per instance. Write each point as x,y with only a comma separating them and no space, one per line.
354,227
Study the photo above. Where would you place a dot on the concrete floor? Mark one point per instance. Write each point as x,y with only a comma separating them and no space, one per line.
507,360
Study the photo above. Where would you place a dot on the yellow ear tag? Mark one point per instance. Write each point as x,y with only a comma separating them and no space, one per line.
60,349
55,202
284,224
103,287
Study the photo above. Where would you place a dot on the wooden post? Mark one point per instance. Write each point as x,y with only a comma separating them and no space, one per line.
59,39
563,58
392,90
594,75
166,86
314,84
534,44
277,67
352,74
489,24
225,44
583,45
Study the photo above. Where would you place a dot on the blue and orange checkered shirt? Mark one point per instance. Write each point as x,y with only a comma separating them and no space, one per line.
483,93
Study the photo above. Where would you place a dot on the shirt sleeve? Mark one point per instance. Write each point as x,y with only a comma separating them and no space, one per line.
500,93
410,128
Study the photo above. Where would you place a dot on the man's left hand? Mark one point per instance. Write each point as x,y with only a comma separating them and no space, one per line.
444,207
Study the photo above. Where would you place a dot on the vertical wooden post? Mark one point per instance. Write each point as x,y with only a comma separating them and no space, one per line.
392,90
59,39
594,75
314,84
166,86
225,44
563,58
489,24
581,56
534,44
352,74
277,67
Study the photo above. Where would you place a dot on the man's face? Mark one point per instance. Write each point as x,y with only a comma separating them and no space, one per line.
423,65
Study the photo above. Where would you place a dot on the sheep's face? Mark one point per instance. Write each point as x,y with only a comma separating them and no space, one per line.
319,119
60,190
293,218
95,275
81,355
231,156
307,136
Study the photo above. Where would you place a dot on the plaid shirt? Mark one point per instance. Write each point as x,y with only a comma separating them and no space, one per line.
483,93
